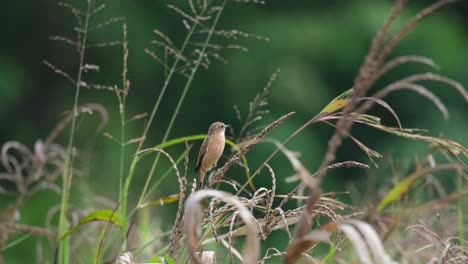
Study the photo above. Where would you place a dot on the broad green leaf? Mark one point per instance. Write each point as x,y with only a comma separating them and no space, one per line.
99,215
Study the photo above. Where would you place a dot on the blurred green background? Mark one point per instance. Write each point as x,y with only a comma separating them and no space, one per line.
317,45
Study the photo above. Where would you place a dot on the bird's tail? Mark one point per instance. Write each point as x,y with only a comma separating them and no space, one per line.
201,179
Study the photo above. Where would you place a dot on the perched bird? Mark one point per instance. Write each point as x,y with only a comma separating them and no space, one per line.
210,151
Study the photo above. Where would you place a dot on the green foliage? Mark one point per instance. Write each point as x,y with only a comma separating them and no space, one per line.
99,215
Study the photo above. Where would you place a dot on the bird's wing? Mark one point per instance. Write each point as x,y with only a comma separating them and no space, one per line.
201,155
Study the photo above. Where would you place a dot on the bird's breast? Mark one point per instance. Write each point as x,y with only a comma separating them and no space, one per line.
214,149
217,145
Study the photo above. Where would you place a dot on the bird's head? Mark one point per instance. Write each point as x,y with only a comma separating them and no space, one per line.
217,127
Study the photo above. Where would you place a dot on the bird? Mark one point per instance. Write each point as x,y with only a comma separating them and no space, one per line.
210,150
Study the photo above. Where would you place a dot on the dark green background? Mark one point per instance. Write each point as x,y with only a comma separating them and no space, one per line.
317,45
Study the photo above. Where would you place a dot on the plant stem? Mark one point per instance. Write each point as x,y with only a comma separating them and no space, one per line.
181,99
461,232
131,172
122,96
68,166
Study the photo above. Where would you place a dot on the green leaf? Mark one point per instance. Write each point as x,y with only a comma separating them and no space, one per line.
162,201
15,242
397,191
99,215
455,147
169,260
401,188
369,119
337,103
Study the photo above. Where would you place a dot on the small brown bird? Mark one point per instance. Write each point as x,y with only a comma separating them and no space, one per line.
210,151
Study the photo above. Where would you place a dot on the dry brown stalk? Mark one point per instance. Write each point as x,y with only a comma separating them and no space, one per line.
236,157
368,74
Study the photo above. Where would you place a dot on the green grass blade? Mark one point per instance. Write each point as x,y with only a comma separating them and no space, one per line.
99,215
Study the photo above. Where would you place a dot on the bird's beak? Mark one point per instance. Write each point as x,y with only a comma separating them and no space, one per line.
225,126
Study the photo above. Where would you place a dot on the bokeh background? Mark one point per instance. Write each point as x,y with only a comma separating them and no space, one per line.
317,45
